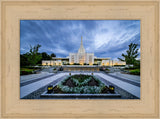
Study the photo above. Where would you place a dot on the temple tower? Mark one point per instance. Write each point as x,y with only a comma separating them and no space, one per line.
81,54
81,49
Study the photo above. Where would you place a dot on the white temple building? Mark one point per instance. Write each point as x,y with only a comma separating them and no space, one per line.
82,58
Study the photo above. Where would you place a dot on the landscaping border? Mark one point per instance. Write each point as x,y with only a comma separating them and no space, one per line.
99,96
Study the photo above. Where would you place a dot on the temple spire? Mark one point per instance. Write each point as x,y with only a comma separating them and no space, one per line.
81,49
81,41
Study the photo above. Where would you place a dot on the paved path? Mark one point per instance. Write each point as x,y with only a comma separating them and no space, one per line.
34,80
49,70
27,89
125,80
134,90
87,73
134,78
30,77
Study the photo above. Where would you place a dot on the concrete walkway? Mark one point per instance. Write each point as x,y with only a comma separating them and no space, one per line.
125,80
49,70
134,90
134,78
30,77
27,89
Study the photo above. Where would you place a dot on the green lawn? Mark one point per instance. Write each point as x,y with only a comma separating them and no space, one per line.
135,71
26,71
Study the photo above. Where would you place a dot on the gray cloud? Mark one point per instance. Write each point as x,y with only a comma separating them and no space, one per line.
106,38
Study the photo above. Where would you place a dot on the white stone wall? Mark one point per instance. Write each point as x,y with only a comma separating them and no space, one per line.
46,62
81,57
90,58
112,62
72,58
51,62
106,62
116,62
103,62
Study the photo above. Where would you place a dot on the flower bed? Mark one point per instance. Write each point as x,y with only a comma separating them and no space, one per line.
81,84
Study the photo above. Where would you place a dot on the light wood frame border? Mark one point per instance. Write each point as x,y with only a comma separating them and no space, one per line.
146,11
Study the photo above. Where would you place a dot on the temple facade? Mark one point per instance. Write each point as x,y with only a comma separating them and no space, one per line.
82,58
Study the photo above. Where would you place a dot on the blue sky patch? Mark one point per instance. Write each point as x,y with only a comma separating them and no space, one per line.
104,38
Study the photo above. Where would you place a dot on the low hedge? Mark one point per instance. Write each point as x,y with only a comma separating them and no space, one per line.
119,65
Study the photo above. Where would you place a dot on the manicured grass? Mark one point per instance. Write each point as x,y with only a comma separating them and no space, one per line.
26,71
135,71
30,67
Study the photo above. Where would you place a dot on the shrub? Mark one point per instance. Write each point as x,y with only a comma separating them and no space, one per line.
81,86
107,69
80,77
76,64
102,68
81,83
119,65
60,69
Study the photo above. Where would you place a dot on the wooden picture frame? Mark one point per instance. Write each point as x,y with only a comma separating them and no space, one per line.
12,11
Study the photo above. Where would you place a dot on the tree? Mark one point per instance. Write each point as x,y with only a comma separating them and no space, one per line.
132,53
45,56
53,55
33,55
24,60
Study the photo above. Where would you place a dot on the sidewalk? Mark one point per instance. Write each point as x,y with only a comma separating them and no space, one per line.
126,76
27,89
30,77
134,90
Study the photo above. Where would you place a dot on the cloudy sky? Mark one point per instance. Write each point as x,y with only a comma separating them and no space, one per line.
104,38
